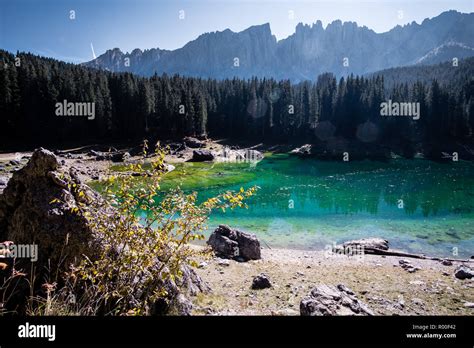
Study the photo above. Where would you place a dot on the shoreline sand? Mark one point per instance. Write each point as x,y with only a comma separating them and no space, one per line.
378,281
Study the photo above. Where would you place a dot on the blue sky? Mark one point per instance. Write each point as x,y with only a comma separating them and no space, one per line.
44,27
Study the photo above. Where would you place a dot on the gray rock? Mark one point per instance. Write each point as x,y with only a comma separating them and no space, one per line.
407,266
249,246
446,263
202,156
234,244
29,215
464,272
203,264
94,153
120,157
223,246
3,181
326,300
261,282
193,143
223,262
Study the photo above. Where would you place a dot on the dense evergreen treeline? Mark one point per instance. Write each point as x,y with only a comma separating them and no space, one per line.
330,112
446,73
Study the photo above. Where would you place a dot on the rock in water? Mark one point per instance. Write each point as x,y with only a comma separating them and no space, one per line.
330,300
464,272
261,282
234,244
202,156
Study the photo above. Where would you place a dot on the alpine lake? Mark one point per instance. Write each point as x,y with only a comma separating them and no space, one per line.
419,206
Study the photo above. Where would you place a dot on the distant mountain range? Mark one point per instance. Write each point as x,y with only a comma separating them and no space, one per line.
310,51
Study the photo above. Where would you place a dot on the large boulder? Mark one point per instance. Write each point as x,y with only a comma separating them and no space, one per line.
234,244
224,246
40,205
249,246
327,300
39,208
202,156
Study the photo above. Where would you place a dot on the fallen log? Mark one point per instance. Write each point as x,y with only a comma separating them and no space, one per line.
375,251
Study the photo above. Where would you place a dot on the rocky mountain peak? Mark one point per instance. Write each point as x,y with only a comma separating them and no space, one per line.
310,51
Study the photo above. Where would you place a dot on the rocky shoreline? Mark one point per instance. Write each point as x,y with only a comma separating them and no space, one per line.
381,283
93,162
247,279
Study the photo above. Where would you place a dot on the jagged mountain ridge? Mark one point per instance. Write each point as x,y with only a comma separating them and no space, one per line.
310,51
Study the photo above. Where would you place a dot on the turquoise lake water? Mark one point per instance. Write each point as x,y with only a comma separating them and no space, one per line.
418,205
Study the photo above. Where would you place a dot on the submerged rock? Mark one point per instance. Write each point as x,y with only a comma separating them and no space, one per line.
234,244
327,300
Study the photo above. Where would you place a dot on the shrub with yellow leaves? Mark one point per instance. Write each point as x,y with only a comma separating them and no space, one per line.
145,239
